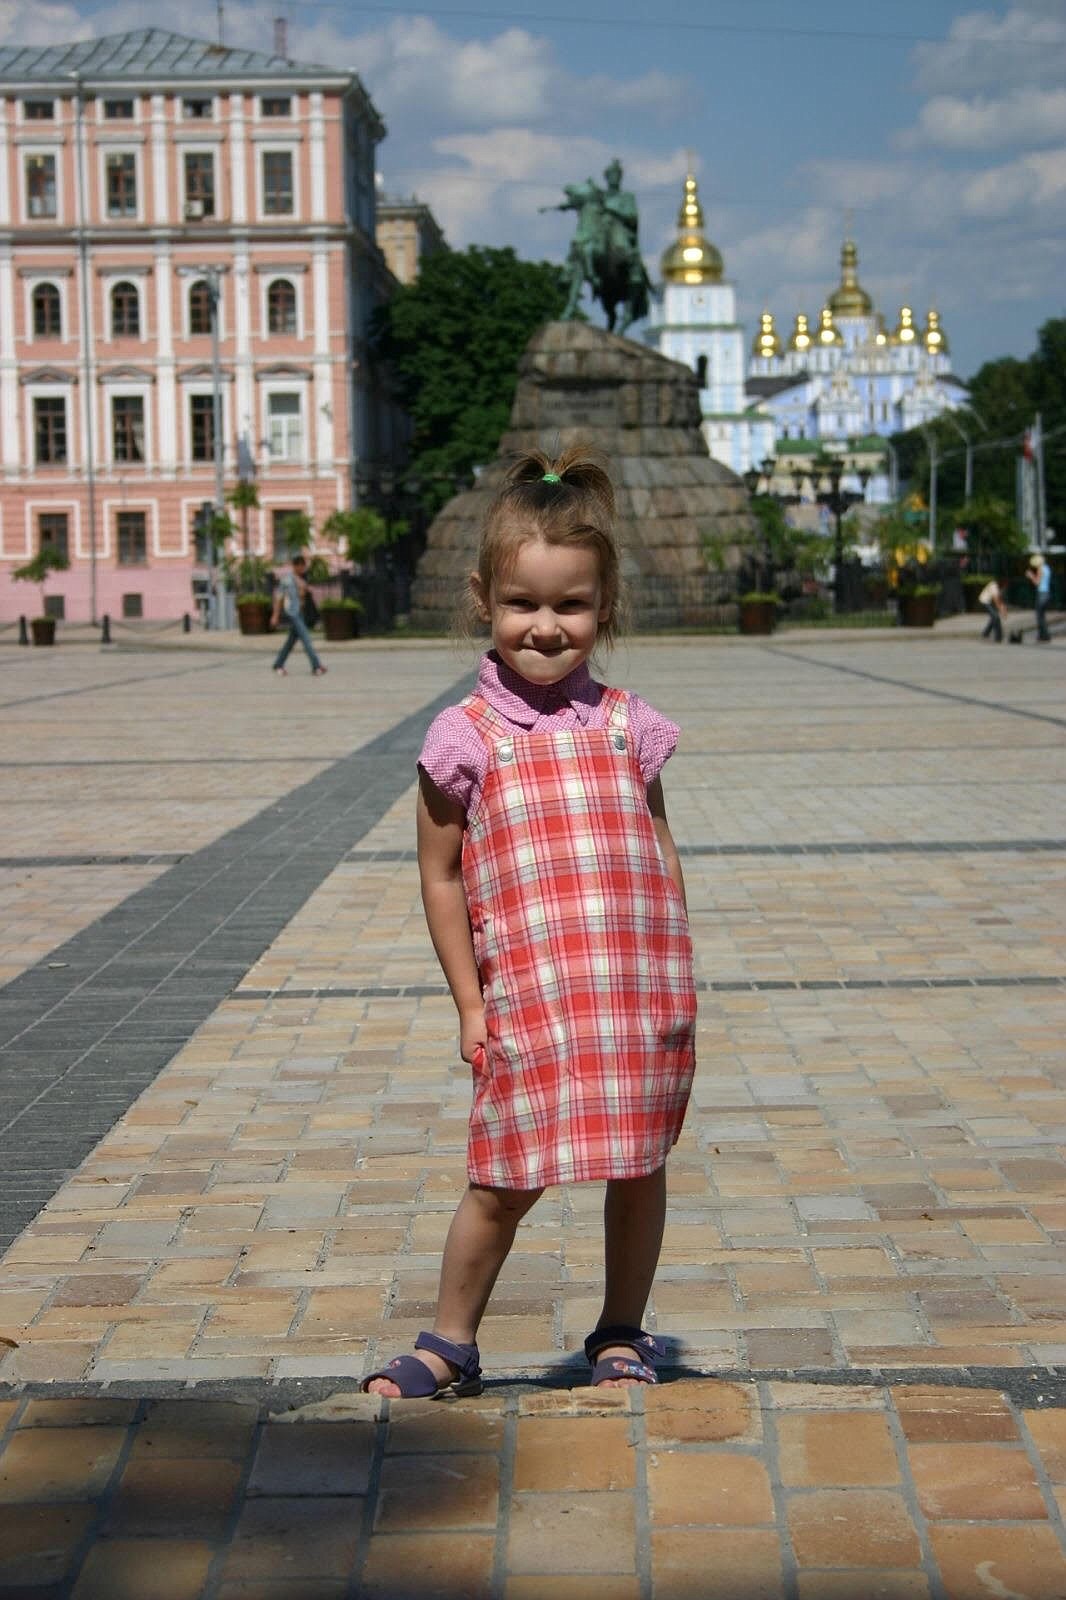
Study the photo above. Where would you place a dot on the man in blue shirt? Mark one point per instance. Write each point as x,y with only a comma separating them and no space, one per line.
1039,575
288,603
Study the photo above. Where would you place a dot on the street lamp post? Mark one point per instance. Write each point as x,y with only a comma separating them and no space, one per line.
84,298
752,479
212,277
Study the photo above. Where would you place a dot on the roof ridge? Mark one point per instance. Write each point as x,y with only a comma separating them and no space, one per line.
151,52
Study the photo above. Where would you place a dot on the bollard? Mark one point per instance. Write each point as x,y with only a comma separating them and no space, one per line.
186,623
105,637
24,637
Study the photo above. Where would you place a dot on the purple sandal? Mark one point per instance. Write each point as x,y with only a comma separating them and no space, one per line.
414,1379
642,1345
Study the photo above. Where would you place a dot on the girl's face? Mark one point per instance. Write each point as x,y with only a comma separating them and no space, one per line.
545,615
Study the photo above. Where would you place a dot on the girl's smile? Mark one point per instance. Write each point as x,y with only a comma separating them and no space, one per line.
545,615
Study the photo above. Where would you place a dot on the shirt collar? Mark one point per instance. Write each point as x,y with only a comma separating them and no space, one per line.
523,702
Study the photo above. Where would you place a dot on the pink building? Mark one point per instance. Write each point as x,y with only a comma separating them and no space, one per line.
136,172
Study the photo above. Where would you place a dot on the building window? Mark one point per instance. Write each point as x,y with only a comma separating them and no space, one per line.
127,427
284,427
200,307
279,532
277,183
121,170
52,530
202,426
39,110
701,371
276,105
50,431
118,110
55,605
199,184
125,311
132,536
281,307
197,108
133,605
41,186
47,312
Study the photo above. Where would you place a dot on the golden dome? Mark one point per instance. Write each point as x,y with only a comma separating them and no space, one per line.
881,336
767,344
801,338
828,332
905,332
850,300
691,258
934,337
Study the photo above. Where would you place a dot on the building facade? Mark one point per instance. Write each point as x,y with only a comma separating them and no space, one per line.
694,320
154,191
407,232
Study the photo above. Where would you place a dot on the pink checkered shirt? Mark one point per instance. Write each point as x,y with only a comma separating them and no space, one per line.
456,759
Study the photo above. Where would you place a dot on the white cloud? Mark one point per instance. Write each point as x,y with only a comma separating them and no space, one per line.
984,49
1034,183
41,24
1025,116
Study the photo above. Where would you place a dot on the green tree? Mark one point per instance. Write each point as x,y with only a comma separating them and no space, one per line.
48,559
453,339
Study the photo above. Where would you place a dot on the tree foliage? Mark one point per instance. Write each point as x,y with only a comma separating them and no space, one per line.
453,339
1005,396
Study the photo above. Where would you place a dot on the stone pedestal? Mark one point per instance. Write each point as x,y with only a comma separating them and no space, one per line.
674,501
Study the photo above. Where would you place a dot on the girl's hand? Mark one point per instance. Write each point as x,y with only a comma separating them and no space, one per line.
473,1036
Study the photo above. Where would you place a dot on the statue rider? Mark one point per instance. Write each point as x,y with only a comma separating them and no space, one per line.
606,228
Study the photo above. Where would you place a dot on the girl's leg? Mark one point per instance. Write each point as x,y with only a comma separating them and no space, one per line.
634,1215
478,1243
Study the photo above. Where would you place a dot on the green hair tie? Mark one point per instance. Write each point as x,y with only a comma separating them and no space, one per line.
551,477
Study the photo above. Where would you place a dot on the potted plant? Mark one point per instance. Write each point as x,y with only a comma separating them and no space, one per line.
972,584
48,559
758,611
918,606
340,618
249,578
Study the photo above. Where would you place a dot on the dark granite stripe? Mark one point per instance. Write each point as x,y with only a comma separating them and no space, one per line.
165,858
84,1031
410,991
850,847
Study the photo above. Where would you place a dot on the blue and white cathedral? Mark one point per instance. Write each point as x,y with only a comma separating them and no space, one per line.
847,382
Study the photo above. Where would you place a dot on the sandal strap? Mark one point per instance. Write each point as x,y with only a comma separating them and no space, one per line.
644,1344
618,1367
411,1376
466,1357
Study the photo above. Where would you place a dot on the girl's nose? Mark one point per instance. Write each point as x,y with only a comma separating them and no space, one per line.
545,625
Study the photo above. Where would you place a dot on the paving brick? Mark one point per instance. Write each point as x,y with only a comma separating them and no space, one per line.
143,1569
41,1464
977,1561
449,1566
294,1538
835,1448
932,1415
707,1412
852,1528
559,1454
77,1413
572,1533
317,1458
704,1489
982,1482
38,1542
437,1492
572,1587
186,1499
867,1585
1048,1431
717,1564
196,1430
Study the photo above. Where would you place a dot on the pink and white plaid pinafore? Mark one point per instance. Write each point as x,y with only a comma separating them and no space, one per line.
583,948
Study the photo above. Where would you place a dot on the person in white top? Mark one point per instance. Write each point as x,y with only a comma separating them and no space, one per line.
991,597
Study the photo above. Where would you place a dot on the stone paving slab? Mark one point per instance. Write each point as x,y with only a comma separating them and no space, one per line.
717,1489
42,905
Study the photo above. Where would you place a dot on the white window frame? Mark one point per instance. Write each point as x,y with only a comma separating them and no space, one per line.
298,387
68,508
105,152
259,115
37,280
26,152
109,531
200,388
50,391
202,149
111,281
277,147
35,122
186,283
194,122
128,391
111,122
264,308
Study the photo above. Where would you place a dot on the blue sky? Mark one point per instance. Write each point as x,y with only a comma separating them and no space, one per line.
939,126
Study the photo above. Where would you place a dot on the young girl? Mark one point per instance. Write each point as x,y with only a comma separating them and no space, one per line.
555,903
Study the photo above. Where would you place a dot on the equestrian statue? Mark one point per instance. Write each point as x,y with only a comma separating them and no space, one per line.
604,252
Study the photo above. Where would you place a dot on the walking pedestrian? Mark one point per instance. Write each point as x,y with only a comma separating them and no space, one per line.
992,598
289,603
555,902
1039,575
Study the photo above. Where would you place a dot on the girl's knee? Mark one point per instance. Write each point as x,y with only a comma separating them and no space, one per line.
513,1203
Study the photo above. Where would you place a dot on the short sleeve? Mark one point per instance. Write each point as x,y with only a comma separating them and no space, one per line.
454,757
654,737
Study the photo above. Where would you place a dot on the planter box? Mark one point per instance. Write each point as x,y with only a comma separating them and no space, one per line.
43,630
757,616
339,624
918,610
253,616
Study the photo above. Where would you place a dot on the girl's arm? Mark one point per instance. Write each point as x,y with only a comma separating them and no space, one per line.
440,849
657,807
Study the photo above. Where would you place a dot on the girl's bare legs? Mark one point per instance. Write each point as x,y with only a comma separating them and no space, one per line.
478,1243
634,1215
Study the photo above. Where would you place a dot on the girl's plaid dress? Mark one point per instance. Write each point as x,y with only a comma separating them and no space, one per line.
583,948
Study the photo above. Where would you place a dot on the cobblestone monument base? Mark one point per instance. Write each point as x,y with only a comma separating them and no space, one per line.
643,412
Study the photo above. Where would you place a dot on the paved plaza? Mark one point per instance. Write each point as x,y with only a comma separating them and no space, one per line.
232,1126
